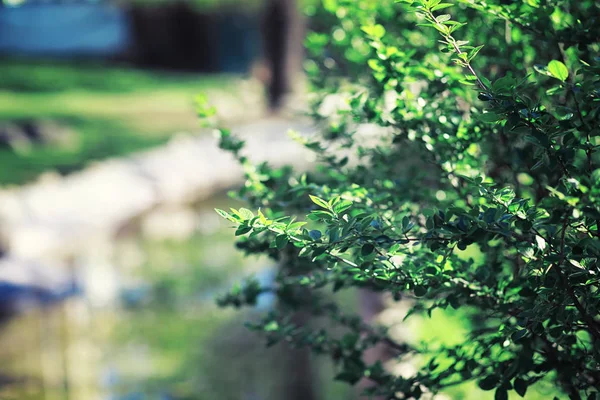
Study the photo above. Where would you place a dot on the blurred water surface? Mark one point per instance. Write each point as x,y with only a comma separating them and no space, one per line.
150,328
161,337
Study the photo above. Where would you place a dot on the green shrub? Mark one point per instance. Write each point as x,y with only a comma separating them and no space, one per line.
487,144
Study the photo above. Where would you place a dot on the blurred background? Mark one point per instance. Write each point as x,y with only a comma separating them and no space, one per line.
111,255
110,252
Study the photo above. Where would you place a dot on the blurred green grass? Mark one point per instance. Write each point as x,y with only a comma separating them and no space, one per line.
112,110
50,75
94,140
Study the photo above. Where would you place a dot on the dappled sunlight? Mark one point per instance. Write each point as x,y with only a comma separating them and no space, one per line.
193,206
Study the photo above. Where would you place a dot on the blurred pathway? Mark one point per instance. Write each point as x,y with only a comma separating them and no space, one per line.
46,225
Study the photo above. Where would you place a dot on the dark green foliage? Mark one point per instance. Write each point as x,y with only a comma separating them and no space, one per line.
488,143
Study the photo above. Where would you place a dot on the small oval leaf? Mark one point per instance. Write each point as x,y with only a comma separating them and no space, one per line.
558,70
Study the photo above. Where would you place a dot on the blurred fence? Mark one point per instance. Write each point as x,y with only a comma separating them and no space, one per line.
64,29
173,35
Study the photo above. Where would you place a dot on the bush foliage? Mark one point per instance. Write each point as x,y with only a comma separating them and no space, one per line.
446,129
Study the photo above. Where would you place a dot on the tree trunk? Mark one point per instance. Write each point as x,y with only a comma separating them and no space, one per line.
283,32
371,304
300,380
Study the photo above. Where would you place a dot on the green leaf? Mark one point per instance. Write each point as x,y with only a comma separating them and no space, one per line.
320,215
330,5
203,109
349,340
342,206
516,336
272,326
375,65
319,201
441,6
281,241
563,113
542,69
443,29
261,217
225,215
488,383
293,227
303,251
315,234
490,117
376,31
420,291
349,377
553,90
242,230
558,70
456,25
520,386
429,212
367,249
443,18
245,213
405,222
319,251
501,394
474,52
